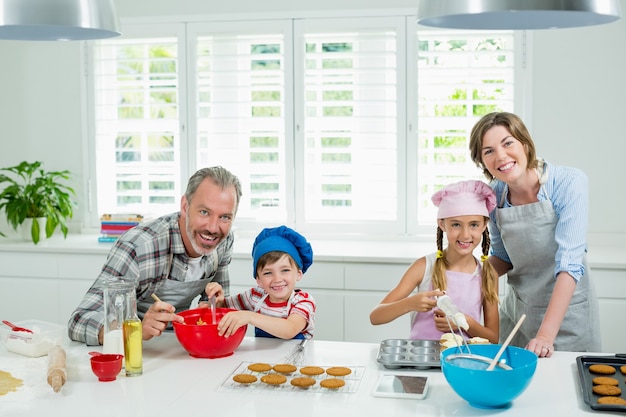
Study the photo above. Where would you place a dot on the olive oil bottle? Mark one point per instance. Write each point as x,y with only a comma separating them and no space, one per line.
133,355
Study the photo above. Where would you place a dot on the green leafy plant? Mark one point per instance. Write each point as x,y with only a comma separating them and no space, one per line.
32,192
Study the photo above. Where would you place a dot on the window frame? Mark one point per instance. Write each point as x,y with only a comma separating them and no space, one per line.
407,121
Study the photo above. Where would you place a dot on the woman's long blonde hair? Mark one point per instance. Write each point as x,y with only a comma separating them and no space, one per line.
489,275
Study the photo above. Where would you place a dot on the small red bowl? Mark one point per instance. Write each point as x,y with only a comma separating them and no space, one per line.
106,366
202,340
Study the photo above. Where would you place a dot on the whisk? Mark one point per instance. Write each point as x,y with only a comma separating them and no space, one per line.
452,312
296,355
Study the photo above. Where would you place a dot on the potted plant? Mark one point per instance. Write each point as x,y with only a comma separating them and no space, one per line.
30,192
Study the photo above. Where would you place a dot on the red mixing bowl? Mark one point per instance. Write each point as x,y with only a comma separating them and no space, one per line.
202,340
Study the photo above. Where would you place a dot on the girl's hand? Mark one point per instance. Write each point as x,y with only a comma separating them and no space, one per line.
425,301
441,323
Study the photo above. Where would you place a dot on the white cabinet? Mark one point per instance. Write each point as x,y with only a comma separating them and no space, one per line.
611,288
47,283
45,286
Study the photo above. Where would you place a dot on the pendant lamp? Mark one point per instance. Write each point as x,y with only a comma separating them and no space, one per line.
516,14
58,20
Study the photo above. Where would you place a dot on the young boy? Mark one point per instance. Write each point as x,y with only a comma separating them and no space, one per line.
274,307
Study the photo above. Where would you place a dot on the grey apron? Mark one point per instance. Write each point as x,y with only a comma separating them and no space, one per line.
177,292
528,235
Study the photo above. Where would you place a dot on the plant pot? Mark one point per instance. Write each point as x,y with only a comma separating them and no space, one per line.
28,224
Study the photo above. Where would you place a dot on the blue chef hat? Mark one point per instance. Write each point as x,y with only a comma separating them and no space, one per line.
282,239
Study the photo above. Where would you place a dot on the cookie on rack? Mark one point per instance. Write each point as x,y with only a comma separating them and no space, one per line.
245,378
274,379
285,368
312,370
259,367
338,371
303,382
333,383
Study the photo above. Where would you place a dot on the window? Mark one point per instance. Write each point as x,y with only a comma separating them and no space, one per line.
334,126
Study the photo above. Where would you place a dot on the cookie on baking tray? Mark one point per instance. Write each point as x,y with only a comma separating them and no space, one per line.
607,390
605,380
338,371
259,367
622,369
245,378
274,379
602,369
312,370
611,401
285,368
303,382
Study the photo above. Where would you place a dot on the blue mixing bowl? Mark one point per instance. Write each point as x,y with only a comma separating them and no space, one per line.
489,389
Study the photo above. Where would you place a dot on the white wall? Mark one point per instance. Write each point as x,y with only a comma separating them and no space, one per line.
575,116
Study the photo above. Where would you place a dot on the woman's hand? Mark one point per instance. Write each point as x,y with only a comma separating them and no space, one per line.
541,346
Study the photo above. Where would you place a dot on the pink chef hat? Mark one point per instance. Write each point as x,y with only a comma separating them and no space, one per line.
465,198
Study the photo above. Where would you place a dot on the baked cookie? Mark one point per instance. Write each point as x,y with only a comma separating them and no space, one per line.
303,382
284,368
622,369
259,367
274,379
605,380
245,378
607,390
612,400
312,370
602,369
338,371
333,383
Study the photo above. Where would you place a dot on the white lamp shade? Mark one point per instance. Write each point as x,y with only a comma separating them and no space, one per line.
55,20
516,14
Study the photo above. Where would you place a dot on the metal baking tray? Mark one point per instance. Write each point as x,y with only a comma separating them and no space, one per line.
586,378
402,353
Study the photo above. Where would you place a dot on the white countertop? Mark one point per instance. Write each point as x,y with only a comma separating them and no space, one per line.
175,384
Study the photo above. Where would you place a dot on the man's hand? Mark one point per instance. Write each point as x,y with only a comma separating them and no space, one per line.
156,319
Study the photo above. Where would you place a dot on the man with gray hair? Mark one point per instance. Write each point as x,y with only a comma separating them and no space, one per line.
173,257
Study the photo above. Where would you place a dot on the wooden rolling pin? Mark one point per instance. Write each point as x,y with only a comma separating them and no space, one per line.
57,373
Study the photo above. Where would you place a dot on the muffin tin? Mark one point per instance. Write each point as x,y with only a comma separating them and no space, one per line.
586,378
419,354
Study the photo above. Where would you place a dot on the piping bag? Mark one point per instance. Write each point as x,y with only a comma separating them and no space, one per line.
446,305
57,373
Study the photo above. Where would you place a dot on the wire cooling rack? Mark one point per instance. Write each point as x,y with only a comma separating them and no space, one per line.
352,381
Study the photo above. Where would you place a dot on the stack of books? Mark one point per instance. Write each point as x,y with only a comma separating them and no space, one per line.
112,226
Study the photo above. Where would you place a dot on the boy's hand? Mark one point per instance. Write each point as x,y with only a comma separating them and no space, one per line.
214,289
229,324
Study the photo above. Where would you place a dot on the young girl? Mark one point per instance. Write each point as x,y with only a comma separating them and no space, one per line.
275,307
463,216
